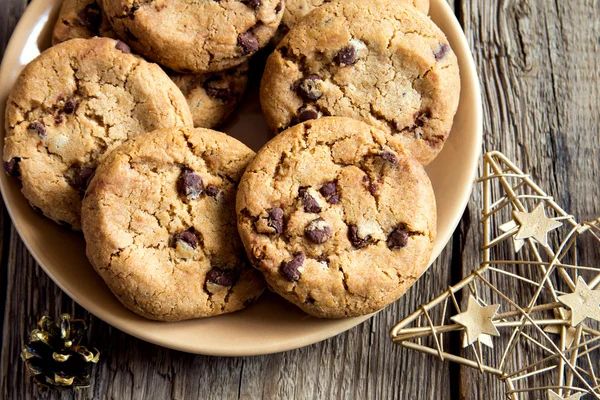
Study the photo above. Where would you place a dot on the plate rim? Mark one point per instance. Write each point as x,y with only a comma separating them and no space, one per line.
34,12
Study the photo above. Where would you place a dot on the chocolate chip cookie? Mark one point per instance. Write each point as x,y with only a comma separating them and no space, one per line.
212,97
295,10
70,107
195,36
337,216
81,19
381,62
160,225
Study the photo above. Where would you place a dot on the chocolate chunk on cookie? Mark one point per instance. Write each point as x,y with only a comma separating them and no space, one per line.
39,128
332,247
311,87
221,276
402,79
318,231
398,237
309,200
289,269
189,184
165,257
12,168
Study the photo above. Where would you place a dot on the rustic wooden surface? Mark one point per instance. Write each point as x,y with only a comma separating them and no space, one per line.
539,63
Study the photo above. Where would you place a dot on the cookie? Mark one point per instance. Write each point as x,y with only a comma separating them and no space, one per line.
337,216
71,106
81,19
191,36
212,97
295,10
160,225
379,61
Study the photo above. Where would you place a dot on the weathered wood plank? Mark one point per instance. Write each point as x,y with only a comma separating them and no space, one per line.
538,64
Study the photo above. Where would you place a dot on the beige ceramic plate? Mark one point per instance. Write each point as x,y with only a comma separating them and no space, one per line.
271,325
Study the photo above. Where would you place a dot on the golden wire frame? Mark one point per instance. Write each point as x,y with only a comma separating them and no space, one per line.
569,361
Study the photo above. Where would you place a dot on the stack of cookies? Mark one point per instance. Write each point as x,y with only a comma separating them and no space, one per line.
108,131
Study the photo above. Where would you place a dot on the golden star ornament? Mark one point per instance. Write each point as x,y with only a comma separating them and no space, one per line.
552,395
535,225
583,302
477,321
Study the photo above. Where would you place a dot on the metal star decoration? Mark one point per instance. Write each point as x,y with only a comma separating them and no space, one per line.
477,321
542,250
552,395
535,225
583,302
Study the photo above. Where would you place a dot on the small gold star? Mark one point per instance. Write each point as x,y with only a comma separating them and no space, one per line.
509,226
583,302
554,396
477,321
535,225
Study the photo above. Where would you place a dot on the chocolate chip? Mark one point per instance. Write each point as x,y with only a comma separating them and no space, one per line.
441,52
328,189
310,203
248,42
188,237
310,88
278,8
70,106
190,184
38,127
346,56
58,119
276,219
212,191
217,88
318,231
12,167
373,188
252,3
356,240
84,176
306,114
123,47
398,238
389,157
221,276
290,269
90,17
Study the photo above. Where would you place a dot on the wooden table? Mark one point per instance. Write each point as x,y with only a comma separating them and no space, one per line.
539,65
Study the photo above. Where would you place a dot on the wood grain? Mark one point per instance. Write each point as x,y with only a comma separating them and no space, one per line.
538,63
